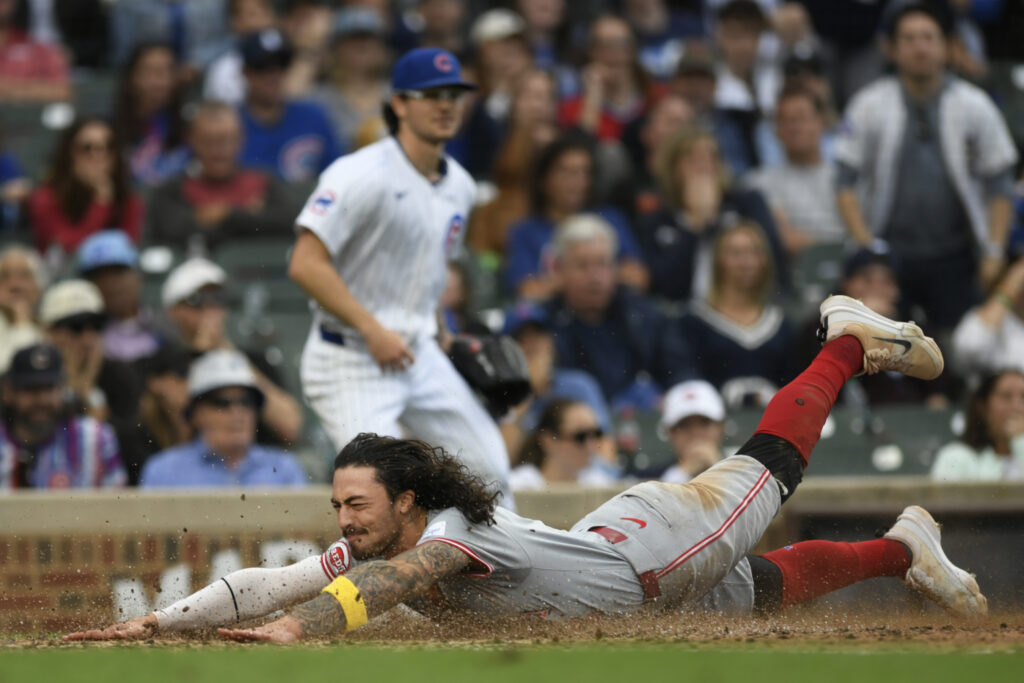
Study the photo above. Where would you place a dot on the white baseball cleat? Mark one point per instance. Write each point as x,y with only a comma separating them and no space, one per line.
888,344
930,571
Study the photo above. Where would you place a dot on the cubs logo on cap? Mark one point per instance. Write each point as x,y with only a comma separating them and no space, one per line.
428,67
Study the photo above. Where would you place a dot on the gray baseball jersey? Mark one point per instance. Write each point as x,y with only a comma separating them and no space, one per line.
685,543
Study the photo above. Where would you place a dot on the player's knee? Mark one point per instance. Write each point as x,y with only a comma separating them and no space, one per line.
780,457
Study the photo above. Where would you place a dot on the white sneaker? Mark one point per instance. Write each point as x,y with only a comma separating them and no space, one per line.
888,344
930,571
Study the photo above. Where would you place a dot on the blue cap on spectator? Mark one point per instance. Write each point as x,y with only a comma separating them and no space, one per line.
267,49
107,248
524,313
428,67
358,21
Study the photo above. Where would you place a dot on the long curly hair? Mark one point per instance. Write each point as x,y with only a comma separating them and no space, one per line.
438,480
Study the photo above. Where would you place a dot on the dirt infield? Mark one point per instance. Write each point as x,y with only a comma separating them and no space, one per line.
799,629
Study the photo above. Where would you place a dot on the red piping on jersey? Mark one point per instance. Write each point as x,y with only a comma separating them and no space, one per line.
465,549
765,476
323,565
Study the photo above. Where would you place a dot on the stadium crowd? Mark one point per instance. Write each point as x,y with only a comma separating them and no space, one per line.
664,187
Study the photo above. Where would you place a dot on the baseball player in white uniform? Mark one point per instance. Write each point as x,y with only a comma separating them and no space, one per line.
428,535
373,242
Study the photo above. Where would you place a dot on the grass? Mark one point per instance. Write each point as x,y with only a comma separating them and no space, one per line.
622,663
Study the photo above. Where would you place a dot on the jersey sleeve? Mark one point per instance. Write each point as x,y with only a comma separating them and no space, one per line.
340,204
336,560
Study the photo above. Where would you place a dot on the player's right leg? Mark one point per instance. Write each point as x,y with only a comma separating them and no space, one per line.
349,392
856,340
911,549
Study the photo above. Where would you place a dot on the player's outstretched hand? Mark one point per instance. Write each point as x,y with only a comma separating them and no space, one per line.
139,628
389,349
283,630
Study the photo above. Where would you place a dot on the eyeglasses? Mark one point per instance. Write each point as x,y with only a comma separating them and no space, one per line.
225,402
435,94
584,435
215,299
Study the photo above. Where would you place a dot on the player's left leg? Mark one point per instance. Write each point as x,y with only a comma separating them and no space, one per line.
443,411
911,549
856,340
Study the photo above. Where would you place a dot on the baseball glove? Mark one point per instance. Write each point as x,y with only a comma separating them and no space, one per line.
494,367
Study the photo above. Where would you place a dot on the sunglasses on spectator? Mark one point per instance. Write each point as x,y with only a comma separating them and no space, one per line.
81,325
205,300
584,435
246,400
435,94
90,147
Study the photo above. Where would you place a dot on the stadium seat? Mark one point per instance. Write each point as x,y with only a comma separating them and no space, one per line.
815,272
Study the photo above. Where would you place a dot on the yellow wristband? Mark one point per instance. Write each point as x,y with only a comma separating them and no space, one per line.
347,595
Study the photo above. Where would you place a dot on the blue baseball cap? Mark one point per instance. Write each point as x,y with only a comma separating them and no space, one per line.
524,313
107,248
428,67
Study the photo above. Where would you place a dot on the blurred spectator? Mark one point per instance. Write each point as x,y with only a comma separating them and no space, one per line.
307,26
694,81
195,29
149,118
801,191
196,304
357,72
561,187
745,85
742,342
292,139
616,89
528,324
549,32
992,447
915,149
224,81
502,58
700,202
217,200
80,27
40,445
660,32
870,276
568,446
107,390
632,350
163,423
15,187
456,303
693,421
110,261
224,402
991,336
30,71
88,190
644,140
22,281
438,23
531,127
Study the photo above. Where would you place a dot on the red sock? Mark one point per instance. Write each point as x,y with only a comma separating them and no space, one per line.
798,410
814,568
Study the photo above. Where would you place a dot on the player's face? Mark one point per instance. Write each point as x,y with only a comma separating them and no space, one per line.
433,115
919,48
367,517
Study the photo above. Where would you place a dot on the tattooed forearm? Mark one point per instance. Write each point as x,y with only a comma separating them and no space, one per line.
384,584
320,615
